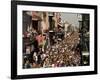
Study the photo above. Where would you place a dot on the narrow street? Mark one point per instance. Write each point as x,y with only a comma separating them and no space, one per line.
54,39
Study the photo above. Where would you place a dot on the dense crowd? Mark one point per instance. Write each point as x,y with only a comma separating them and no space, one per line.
38,52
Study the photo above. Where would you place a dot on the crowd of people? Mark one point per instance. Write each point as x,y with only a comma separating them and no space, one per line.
38,52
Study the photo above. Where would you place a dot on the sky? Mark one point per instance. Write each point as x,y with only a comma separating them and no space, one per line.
70,18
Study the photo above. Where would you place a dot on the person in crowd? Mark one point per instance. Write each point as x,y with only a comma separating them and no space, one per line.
40,39
27,54
27,64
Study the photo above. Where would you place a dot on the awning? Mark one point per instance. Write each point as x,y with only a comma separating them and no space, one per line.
36,18
34,14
